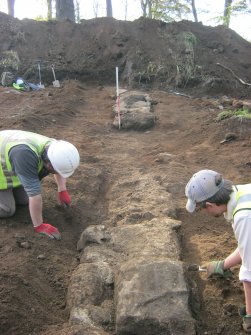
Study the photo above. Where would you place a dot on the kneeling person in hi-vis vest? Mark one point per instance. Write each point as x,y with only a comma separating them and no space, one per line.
209,193
25,159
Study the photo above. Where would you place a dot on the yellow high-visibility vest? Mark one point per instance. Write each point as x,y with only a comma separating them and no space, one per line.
11,138
243,198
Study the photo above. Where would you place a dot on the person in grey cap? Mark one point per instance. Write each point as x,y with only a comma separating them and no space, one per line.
207,191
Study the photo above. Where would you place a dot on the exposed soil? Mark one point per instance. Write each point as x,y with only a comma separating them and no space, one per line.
149,53
34,278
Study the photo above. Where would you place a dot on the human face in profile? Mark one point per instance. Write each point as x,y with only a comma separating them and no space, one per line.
213,210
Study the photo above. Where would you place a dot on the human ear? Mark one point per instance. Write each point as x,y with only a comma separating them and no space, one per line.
209,205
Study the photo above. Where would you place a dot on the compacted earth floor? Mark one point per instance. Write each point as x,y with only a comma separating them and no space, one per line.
35,271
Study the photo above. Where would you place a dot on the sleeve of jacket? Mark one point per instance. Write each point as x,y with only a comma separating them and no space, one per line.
242,231
25,165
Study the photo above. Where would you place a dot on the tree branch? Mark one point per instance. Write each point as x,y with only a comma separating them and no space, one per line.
234,75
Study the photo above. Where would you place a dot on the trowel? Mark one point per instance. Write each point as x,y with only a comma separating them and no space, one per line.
55,82
196,267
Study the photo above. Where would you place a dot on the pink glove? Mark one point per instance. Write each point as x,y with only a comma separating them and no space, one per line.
64,198
48,230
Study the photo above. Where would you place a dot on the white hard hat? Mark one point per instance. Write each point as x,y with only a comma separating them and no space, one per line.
19,81
64,157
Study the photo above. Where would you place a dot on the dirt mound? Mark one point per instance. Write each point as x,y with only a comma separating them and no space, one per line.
149,53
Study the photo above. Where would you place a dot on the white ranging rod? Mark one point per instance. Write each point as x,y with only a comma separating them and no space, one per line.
118,98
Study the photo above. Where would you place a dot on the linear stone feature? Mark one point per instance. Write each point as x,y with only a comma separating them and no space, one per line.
152,299
151,296
134,111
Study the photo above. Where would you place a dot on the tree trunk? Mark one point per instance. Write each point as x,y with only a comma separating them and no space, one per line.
49,9
126,7
77,11
150,14
194,11
143,7
11,5
146,4
227,12
65,10
95,8
109,8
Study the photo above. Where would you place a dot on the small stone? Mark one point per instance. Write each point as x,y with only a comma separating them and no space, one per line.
164,157
237,104
19,236
229,137
25,245
41,256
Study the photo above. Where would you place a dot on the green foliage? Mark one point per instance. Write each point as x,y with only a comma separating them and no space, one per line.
151,68
40,18
224,115
186,69
10,60
238,7
190,38
150,71
241,113
169,10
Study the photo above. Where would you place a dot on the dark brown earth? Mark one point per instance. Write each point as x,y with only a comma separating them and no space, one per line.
149,53
34,279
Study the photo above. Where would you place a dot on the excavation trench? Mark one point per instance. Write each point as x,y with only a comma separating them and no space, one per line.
135,249
124,274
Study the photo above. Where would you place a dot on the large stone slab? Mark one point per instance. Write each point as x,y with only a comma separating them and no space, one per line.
152,299
87,298
134,111
150,239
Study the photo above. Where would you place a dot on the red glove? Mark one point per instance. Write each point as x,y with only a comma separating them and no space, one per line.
64,198
48,230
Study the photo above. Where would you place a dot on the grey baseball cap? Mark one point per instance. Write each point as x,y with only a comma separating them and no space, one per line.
202,186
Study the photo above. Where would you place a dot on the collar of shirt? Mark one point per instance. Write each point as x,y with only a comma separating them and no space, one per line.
228,215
